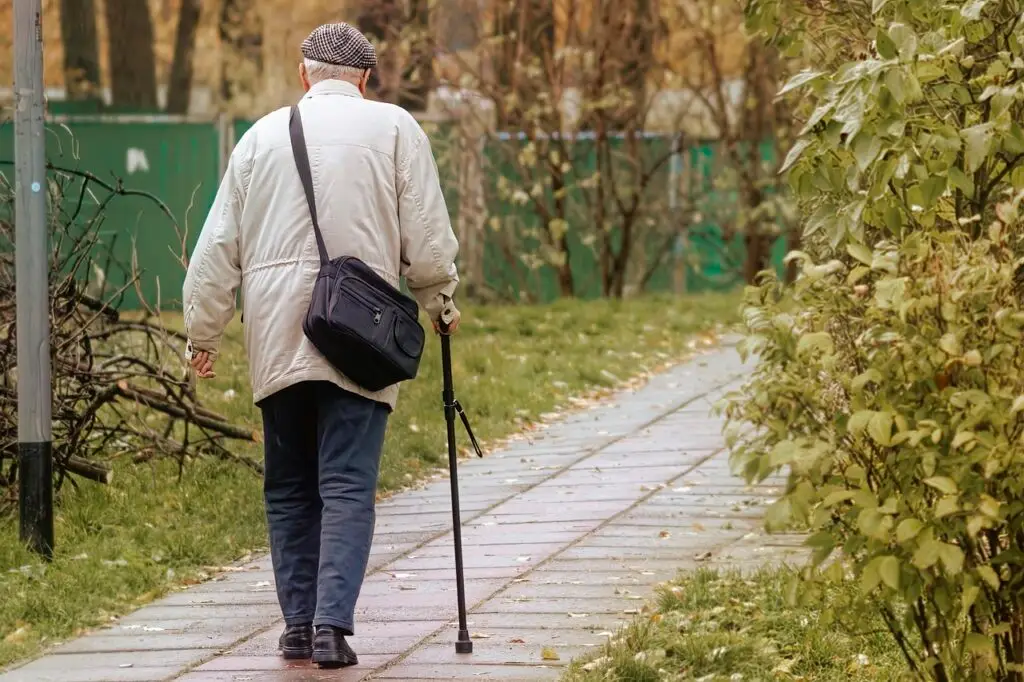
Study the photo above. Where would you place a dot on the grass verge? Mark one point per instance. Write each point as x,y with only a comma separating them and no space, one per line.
122,545
714,627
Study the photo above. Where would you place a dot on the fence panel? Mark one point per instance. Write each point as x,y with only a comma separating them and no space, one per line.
176,162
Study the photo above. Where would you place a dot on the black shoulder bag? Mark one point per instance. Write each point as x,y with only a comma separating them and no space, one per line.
366,328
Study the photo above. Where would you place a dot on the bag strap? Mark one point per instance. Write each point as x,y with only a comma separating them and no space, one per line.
306,176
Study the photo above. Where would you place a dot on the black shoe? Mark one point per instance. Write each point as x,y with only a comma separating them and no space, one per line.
330,650
296,642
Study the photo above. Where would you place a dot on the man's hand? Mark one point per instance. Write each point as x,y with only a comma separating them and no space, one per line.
203,365
450,317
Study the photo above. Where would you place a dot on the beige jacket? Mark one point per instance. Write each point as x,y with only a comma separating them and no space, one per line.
378,198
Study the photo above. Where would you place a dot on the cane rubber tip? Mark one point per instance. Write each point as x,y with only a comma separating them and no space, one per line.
464,647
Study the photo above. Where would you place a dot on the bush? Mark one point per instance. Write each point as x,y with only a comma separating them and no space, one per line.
890,382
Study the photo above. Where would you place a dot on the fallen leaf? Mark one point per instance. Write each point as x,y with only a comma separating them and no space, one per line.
549,654
664,534
517,640
479,635
18,635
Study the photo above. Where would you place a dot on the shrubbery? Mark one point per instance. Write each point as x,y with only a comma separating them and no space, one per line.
891,376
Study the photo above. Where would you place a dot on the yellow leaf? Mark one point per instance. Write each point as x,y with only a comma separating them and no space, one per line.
942,484
889,570
549,654
880,428
946,506
908,529
950,344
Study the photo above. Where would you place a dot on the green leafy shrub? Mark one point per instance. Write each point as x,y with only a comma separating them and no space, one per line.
890,381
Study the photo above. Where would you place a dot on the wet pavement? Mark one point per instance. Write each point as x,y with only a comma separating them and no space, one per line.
565,536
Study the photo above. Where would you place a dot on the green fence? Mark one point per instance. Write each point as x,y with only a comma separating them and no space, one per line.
176,163
180,162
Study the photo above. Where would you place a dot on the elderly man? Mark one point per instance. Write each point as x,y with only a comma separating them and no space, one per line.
379,199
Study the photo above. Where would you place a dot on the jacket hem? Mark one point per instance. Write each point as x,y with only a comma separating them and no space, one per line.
388,396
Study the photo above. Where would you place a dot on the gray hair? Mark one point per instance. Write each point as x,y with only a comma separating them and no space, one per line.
321,71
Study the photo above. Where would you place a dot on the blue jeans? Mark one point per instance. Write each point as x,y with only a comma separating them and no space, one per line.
323,447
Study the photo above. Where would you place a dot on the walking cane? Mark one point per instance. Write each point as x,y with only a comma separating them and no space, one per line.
463,645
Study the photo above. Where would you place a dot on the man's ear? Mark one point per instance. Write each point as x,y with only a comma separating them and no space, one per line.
364,81
304,77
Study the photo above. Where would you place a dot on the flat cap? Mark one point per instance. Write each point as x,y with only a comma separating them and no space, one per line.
341,45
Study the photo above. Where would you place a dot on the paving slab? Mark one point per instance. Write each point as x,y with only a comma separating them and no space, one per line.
566,533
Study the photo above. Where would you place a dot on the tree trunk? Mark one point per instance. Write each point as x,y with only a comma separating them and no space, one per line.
757,255
566,287
81,49
132,61
241,36
418,74
179,89
793,243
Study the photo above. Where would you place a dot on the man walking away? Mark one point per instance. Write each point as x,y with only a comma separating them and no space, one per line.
379,199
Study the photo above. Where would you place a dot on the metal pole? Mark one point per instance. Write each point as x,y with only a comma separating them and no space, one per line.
681,245
463,644
35,470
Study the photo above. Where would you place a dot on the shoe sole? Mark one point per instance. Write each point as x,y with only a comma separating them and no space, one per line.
325,660
296,653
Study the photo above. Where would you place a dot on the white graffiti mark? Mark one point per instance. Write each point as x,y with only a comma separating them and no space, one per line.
137,161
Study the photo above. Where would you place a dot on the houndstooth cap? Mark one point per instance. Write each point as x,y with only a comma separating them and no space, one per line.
341,45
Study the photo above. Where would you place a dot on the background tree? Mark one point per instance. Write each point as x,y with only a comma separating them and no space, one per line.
593,104
132,58
524,35
240,29
418,71
179,86
81,49
380,21
735,79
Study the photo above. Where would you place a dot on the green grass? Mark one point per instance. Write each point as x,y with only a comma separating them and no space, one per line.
718,627
122,545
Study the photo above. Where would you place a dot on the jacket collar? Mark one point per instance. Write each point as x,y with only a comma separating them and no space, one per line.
333,87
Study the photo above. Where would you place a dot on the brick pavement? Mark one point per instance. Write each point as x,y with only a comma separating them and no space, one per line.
565,536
